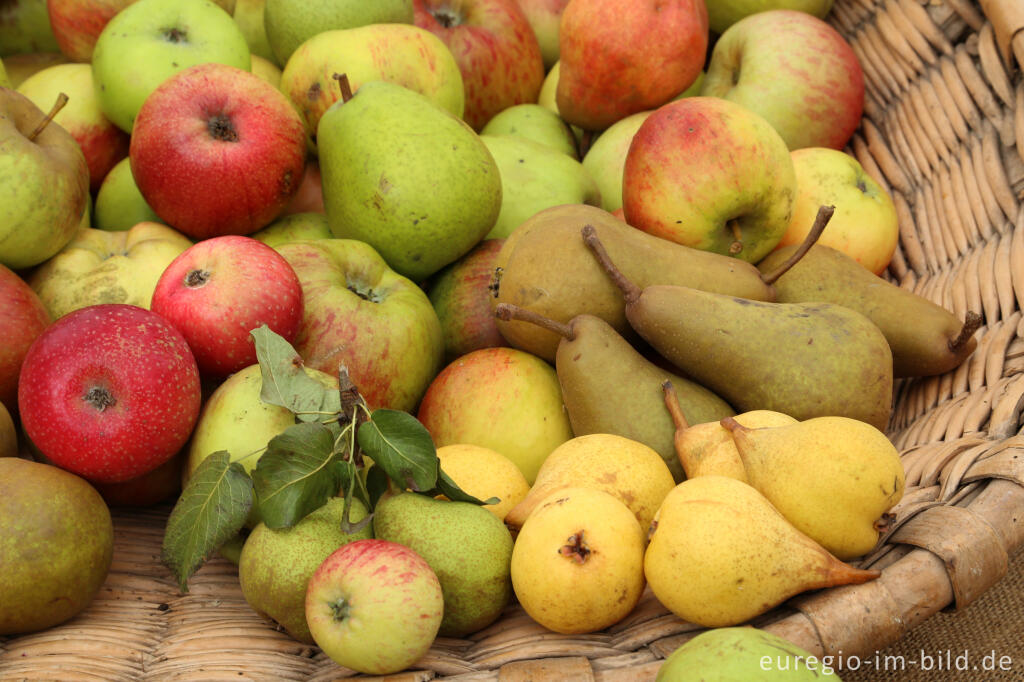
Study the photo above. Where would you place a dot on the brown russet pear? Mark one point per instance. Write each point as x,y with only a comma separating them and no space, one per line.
707,448
545,267
610,387
925,338
721,554
802,359
834,478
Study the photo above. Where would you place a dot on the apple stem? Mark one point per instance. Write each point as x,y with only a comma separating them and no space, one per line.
820,221
737,237
508,311
972,321
630,291
62,99
672,403
346,87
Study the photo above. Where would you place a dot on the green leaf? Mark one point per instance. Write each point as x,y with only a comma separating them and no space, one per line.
376,484
398,443
447,487
297,474
285,382
211,510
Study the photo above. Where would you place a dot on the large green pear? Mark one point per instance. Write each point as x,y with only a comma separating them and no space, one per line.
468,547
275,565
56,544
407,177
534,177
289,23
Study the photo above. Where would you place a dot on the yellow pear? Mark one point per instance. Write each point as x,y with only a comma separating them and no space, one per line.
720,554
707,448
484,473
834,478
577,564
633,472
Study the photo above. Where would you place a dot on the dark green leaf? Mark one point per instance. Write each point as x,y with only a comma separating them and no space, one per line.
296,475
376,484
210,511
398,443
447,487
286,383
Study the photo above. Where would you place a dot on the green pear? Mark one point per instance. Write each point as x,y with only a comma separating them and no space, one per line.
275,565
56,544
534,122
535,177
606,158
289,23
407,177
44,184
119,203
834,478
294,227
468,547
742,653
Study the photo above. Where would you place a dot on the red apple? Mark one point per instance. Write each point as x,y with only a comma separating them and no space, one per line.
460,294
154,487
77,24
216,150
102,142
217,291
495,48
23,317
109,392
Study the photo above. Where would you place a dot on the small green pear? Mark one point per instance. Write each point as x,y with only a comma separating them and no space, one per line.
739,654
834,478
534,122
275,565
468,547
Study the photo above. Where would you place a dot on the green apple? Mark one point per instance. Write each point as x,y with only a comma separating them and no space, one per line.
289,23
248,15
607,156
150,40
98,266
275,565
534,122
534,177
710,174
499,398
25,27
44,184
119,203
103,143
361,314
293,228
399,53
793,69
234,418
374,606
864,226
724,13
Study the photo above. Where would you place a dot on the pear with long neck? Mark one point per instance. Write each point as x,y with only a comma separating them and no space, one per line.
925,338
544,267
802,359
609,387
721,554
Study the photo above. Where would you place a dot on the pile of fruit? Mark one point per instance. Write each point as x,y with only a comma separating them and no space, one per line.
414,308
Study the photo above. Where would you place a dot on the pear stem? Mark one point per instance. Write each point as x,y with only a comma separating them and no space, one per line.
972,321
820,221
346,87
509,311
630,291
672,403
730,424
62,99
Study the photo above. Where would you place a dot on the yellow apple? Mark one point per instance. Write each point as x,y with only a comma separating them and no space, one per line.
864,225
99,266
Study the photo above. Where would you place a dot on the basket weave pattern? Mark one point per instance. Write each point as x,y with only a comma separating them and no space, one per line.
943,131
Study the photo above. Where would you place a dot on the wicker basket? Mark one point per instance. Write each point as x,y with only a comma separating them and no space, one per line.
944,132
